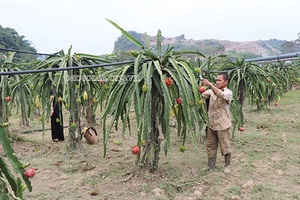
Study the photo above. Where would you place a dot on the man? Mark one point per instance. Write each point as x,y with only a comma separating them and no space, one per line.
219,120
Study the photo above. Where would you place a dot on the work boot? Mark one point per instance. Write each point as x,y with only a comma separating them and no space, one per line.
211,163
227,163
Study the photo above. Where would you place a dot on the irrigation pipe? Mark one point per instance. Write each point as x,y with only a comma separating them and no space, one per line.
283,56
38,130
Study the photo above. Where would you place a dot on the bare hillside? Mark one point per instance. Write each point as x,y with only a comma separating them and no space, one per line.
255,47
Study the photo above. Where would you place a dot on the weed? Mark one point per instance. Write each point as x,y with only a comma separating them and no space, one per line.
173,174
169,189
236,190
146,188
117,142
296,196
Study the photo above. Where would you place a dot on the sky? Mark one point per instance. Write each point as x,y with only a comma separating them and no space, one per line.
55,25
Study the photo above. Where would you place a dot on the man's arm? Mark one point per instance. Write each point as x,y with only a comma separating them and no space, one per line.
211,85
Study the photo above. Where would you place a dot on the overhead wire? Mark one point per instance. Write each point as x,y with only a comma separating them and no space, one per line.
28,52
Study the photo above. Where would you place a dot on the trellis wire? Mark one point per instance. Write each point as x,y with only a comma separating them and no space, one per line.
28,52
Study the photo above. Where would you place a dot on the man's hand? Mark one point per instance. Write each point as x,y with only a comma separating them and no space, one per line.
211,85
206,82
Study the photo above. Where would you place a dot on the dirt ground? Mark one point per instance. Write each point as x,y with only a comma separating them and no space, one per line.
265,164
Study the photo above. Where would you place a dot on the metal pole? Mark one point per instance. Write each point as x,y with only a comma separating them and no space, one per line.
283,56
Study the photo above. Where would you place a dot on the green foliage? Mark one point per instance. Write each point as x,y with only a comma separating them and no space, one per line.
68,87
282,46
5,89
272,43
248,80
20,92
10,184
153,106
10,39
232,55
290,47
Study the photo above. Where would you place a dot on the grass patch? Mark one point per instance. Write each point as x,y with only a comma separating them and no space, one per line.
234,191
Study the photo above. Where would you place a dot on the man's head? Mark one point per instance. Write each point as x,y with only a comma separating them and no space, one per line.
222,80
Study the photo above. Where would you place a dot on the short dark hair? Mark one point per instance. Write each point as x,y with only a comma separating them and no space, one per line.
225,75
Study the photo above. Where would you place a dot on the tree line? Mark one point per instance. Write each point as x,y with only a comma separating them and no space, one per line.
10,39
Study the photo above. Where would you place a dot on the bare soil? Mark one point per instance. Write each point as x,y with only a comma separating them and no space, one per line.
265,163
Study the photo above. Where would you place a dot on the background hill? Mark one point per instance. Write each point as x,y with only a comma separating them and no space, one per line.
247,49
10,39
